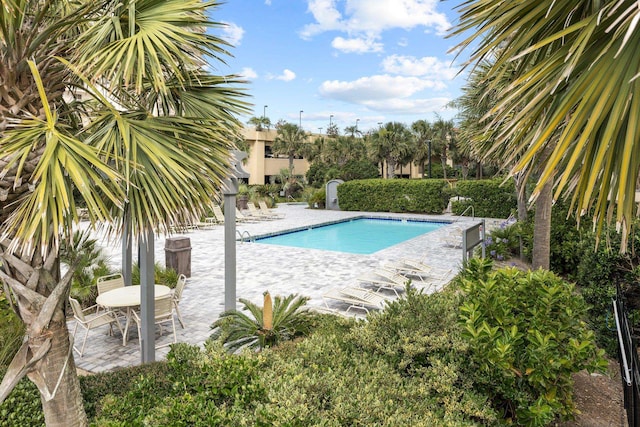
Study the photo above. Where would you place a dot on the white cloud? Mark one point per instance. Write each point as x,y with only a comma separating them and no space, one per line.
374,17
387,93
378,87
428,66
248,73
403,42
356,45
232,33
286,76
267,2
409,106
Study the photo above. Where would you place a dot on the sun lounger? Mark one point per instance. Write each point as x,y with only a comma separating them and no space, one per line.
391,280
357,298
264,209
207,223
454,238
414,268
255,213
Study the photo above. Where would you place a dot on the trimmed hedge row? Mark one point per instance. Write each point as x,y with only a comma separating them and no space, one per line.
490,198
397,195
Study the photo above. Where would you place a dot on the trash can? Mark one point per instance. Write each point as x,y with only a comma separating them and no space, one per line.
177,251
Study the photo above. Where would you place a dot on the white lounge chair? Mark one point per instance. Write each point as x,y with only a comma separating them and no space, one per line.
415,268
454,238
391,280
255,213
357,298
240,217
265,210
218,214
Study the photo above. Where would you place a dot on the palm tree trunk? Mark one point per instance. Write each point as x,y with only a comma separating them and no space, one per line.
542,227
391,168
66,408
290,165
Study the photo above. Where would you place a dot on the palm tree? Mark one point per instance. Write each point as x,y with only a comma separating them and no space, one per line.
575,94
109,100
443,139
289,141
423,135
266,327
391,144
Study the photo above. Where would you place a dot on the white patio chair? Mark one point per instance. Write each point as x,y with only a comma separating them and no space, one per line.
176,293
106,284
90,321
358,298
163,313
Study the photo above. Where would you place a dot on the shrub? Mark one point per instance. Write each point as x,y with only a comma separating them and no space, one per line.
503,242
162,275
11,331
22,407
490,198
267,326
317,199
398,195
526,337
98,388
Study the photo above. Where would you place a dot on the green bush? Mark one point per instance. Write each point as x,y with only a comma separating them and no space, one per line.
22,407
162,276
526,338
397,195
317,199
490,198
11,331
503,242
437,173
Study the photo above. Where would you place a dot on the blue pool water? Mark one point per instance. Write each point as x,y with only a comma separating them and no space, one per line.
357,236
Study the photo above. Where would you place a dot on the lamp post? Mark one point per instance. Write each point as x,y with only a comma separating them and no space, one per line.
264,111
429,150
379,124
300,121
320,131
357,120
330,118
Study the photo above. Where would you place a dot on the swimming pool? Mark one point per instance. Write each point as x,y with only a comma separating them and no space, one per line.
356,236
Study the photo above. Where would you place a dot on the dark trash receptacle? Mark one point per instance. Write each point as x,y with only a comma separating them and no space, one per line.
177,251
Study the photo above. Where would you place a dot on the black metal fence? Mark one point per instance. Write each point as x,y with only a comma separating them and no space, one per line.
629,362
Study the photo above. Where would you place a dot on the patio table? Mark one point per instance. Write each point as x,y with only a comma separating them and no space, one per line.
127,298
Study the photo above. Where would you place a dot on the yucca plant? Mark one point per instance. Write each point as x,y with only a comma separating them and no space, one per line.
267,326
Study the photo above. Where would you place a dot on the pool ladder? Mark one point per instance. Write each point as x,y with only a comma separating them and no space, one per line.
242,235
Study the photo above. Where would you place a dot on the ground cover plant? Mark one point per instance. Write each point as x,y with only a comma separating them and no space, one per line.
494,348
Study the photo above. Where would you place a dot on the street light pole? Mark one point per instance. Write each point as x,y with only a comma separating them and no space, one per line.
429,149
264,111
300,122
320,131
330,118
357,120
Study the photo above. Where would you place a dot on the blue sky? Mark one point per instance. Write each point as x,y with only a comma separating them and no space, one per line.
364,61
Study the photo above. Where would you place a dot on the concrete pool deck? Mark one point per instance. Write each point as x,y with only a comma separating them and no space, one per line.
261,267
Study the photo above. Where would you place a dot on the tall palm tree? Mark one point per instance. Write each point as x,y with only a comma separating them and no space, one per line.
289,141
423,135
109,100
574,67
443,139
392,144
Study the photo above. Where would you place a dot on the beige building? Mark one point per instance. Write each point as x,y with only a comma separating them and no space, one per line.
264,166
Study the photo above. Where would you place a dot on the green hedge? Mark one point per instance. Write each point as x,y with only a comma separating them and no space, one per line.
396,195
490,198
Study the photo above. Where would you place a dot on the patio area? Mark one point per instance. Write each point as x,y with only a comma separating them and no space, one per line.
261,267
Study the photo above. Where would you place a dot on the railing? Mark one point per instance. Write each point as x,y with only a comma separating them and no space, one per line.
473,213
629,363
241,236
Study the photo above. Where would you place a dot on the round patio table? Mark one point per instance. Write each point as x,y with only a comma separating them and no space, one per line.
128,298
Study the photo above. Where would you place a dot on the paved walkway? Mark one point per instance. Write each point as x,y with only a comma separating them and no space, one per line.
261,267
